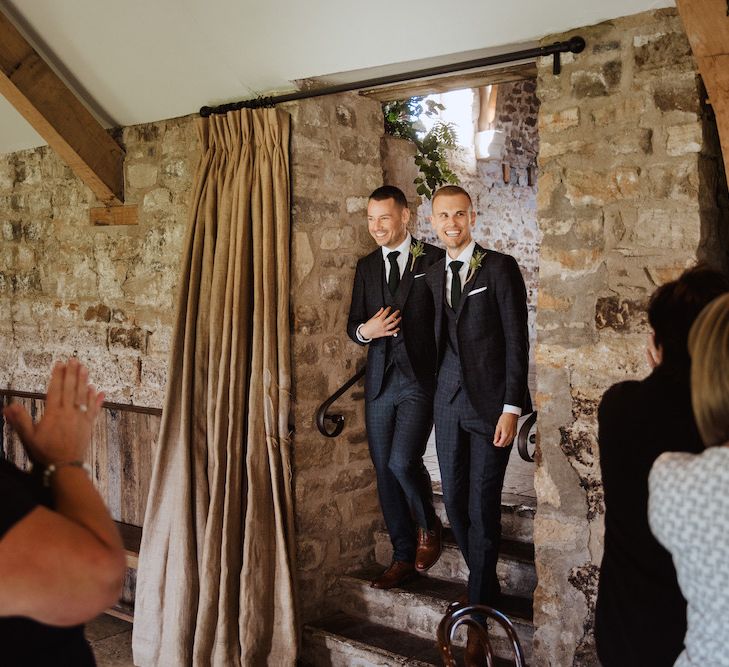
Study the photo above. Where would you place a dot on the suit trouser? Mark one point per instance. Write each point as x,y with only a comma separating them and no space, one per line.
399,421
472,473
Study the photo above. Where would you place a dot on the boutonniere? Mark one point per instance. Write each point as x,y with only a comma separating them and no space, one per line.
417,249
475,263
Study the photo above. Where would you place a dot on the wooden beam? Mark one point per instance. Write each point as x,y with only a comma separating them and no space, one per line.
707,26
40,96
114,215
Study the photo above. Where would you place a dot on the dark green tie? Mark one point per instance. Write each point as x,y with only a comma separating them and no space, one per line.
394,280
455,284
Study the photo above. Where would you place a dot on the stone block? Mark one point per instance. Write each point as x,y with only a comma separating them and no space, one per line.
302,257
98,313
660,50
586,187
620,314
676,228
345,115
331,287
156,200
550,150
684,139
330,238
141,175
128,338
11,230
357,205
358,150
598,82
677,94
307,210
627,143
619,110
675,180
559,121
154,373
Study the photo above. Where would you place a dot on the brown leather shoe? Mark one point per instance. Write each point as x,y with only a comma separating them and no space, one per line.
475,655
462,601
430,545
398,573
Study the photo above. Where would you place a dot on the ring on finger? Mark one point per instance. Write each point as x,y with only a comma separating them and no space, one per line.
83,407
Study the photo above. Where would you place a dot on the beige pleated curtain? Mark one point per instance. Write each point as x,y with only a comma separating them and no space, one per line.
216,569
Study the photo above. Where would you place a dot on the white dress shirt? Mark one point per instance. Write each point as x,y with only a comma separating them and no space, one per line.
402,262
465,257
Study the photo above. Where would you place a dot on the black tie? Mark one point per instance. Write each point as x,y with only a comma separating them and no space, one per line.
394,280
455,284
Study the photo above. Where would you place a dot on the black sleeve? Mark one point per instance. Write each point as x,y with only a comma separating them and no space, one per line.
512,300
16,497
358,307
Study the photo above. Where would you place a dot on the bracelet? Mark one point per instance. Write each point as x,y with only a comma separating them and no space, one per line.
51,468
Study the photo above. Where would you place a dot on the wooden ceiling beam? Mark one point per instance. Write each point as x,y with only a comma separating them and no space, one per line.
707,25
53,110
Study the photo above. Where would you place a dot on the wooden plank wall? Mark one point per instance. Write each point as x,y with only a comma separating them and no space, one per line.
121,454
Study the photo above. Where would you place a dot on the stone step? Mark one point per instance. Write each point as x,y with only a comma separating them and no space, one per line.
517,515
419,605
515,568
347,641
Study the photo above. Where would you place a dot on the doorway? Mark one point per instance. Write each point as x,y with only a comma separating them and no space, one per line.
495,160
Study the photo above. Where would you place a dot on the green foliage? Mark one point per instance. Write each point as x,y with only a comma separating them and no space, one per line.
402,120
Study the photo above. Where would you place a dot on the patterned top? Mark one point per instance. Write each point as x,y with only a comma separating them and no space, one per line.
688,512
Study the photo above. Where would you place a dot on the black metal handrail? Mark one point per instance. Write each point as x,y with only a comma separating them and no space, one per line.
338,420
523,439
573,45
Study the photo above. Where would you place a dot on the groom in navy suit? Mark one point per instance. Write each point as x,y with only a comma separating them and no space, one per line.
483,350
392,313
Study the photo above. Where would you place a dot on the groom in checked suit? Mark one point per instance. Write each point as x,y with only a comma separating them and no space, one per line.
483,349
392,313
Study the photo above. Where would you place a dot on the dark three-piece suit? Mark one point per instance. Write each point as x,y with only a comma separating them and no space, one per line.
399,386
482,352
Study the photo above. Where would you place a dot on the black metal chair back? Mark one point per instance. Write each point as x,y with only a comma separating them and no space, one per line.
455,618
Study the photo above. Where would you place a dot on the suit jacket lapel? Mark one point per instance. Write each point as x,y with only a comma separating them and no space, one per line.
378,275
470,284
406,281
439,301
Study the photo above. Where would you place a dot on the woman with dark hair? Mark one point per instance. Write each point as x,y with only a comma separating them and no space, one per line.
689,503
640,619
61,558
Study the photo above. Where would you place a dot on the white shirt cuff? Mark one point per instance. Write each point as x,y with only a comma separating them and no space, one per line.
362,339
513,409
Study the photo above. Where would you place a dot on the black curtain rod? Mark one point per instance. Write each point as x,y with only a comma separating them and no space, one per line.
573,45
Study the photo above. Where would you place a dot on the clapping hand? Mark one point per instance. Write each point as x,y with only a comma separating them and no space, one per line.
64,432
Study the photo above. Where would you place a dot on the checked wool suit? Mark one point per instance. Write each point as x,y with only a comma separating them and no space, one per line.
399,386
483,352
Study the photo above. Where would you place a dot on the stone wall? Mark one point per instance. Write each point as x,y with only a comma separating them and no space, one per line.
335,165
108,293
628,196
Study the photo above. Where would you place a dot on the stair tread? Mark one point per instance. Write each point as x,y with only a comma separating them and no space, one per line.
442,589
384,639
511,549
509,501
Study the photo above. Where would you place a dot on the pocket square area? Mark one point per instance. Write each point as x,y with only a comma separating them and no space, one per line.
476,291
419,275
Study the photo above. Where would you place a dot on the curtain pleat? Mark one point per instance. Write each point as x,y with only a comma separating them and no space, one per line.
215,584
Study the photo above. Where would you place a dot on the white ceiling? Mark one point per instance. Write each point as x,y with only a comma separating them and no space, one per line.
139,61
